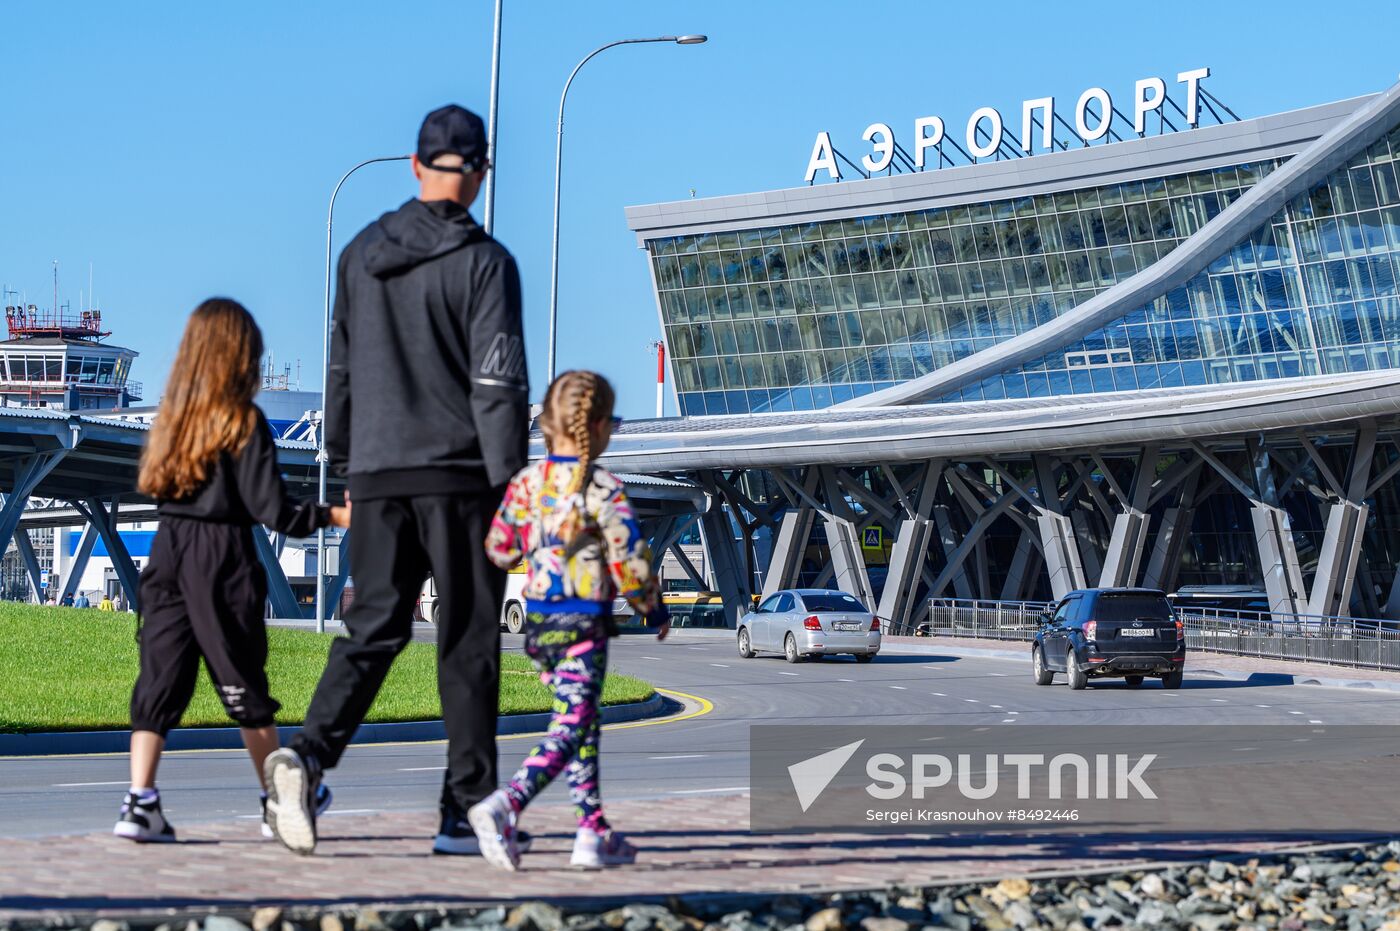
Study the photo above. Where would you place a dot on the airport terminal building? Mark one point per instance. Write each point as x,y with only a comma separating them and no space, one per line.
1136,357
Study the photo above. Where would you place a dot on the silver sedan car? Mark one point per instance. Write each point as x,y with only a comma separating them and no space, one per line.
806,622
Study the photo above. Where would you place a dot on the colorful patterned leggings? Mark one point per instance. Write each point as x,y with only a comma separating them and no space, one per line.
571,652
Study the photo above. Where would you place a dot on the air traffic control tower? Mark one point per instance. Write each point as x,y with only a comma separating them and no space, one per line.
59,360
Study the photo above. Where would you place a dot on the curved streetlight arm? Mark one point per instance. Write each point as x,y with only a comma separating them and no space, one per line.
558,162
321,459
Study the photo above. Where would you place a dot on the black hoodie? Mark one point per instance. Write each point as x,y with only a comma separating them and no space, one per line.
428,391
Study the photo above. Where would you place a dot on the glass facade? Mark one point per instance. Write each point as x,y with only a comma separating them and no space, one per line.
802,317
1311,292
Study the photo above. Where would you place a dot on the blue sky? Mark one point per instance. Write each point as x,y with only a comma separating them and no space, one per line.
189,149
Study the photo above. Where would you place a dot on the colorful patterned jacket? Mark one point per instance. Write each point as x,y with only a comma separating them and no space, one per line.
608,556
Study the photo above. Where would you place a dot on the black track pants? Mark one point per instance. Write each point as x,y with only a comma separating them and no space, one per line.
395,544
202,594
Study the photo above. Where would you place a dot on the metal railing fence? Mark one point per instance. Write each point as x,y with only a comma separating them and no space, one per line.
1338,641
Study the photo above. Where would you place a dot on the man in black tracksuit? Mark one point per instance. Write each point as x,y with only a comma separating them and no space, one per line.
427,413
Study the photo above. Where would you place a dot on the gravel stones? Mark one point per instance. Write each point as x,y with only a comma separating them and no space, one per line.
1348,889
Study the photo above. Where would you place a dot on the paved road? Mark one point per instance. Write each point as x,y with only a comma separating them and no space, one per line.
704,754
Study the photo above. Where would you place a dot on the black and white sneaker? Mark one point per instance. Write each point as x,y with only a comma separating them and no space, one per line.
323,801
143,821
292,783
455,836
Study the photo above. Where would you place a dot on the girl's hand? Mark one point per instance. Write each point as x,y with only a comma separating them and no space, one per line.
340,516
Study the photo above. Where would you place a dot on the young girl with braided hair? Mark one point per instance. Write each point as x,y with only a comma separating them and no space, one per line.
571,521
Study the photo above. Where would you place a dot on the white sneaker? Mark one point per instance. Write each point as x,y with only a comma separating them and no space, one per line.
323,802
143,822
593,851
291,798
493,820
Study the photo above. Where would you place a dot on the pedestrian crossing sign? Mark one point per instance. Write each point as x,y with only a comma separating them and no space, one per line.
873,538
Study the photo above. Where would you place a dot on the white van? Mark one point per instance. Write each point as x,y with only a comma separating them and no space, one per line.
512,605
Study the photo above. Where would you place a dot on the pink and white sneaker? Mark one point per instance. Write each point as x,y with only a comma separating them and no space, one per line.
593,851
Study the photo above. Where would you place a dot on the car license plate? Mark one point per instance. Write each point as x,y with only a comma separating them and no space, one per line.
845,625
1133,632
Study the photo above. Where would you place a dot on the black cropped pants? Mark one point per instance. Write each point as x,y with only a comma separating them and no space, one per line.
202,595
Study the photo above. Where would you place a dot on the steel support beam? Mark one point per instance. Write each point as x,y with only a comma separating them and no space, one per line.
1025,562
78,565
1346,527
29,472
843,541
1123,557
1273,536
785,565
909,555
335,585
1165,561
105,521
725,561
279,590
1057,535
25,546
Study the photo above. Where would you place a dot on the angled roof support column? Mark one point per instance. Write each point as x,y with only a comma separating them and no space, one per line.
279,590
1165,560
104,518
1273,535
843,540
1346,527
1057,535
25,546
1129,535
78,564
335,585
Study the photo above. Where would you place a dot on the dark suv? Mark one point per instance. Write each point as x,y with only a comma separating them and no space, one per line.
1110,632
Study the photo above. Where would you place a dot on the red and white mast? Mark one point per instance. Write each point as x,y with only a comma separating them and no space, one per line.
660,348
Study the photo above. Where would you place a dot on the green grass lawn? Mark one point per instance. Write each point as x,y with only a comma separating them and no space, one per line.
64,669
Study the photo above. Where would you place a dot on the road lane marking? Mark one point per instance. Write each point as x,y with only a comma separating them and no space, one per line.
1008,720
1013,712
720,665
703,791
76,785
845,680
657,658
1243,749
422,769
787,673
678,756
1218,699
998,707
1295,712
1263,706
998,674
1314,722
900,687
939,694
973,700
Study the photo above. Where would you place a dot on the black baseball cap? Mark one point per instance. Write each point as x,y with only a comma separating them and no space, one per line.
453,130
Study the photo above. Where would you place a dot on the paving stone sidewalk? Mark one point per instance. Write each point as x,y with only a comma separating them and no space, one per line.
691,845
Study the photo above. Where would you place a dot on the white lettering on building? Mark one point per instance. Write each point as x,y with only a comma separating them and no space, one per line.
1094,118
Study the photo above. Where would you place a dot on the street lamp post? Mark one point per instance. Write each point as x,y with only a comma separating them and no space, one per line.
325,385
558,164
